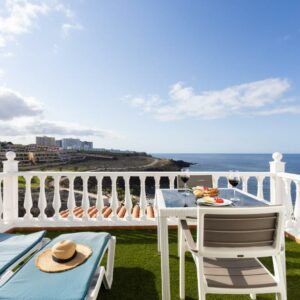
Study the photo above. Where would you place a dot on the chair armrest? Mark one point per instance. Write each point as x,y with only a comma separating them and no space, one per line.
188,236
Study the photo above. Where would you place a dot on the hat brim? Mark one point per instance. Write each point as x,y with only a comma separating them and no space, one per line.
46,264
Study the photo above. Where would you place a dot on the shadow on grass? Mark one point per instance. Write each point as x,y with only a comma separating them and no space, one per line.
145,236
131,283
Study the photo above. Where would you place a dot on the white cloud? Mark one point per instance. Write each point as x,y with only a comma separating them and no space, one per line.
68,27
14,105
36,126
248,98
20,16
281,110
22,116
7,54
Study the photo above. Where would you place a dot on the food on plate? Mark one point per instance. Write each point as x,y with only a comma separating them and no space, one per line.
202,191
198,193
219,200
208,199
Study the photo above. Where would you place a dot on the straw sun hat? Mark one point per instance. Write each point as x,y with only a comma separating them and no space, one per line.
63,256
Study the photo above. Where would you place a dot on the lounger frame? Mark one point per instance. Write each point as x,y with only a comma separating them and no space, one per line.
9,272
103,274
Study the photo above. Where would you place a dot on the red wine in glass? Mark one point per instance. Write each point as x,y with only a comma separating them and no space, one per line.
185,176
234,182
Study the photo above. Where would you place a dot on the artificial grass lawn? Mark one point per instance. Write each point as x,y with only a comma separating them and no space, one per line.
137,268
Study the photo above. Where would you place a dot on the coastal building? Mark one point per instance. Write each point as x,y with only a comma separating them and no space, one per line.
86,145
74,144
45,141
71,144
58,143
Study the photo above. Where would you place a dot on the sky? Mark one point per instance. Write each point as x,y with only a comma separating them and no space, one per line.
155,76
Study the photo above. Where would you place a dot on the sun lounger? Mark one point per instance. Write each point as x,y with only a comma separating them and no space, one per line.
15,248
82,282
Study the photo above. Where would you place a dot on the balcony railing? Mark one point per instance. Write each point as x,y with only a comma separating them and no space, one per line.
103,207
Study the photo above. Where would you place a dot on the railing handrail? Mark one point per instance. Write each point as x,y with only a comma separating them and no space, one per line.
291,176
137,173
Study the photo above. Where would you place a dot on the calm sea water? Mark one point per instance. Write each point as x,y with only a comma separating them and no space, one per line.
241,162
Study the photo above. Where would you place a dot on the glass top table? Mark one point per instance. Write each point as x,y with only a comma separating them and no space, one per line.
177,198
172,204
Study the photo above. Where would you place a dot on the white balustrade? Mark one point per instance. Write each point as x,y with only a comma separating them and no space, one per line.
56,198
171,181
85,198
245,183
143,201
215,180
157,182
42,204
128,202
260,192
28,198
280,188
99,201
1,200
297,202
288,201
228,184
71,204
114,203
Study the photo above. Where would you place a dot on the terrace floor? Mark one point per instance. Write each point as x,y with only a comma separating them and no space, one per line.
137,268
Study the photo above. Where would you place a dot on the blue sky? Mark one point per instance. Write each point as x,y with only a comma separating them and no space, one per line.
157,76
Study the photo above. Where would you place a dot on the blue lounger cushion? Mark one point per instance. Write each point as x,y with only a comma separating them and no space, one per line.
29,283
14,246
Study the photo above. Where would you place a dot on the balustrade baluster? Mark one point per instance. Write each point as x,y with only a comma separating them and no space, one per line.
114,197
297,202
128,202
56,198
99,201
28,198
171,181
245,183
42,204
1,200
85,198
228,184
288,200
260,192
215,180
71,198
157,182
143,202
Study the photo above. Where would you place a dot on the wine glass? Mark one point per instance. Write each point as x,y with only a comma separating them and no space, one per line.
185,176
234,180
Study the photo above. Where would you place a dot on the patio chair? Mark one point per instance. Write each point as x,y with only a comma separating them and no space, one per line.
195,180
15,248
82,282
229,243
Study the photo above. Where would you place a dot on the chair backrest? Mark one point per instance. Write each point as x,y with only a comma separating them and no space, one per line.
240,232
195,180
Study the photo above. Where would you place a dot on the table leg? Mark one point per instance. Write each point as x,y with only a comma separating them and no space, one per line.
158,235
283,260
164,248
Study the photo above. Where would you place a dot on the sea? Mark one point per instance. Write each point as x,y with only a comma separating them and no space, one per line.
240,162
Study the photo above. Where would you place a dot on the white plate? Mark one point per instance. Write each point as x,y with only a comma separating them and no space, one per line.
225,203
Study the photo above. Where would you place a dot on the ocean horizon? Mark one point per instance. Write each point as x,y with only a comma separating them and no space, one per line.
233,161
243,162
